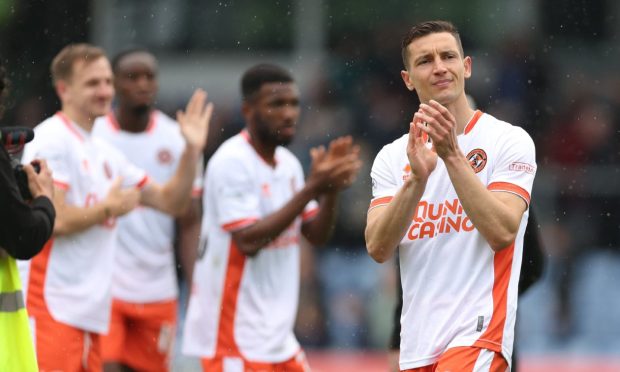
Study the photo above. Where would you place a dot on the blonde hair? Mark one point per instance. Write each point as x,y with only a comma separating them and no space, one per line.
64,62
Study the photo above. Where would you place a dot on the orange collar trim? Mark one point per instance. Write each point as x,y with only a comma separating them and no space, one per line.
472,122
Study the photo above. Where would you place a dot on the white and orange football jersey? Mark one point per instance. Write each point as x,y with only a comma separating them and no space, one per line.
456,290
245,307
71,278
144,270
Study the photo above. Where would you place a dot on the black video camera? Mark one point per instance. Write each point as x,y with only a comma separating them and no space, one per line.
13,139
22,178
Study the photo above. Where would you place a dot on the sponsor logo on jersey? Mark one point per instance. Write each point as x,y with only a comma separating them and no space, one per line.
164,156
522,167
477,159
432,219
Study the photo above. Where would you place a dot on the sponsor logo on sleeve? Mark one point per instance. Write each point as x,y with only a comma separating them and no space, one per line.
522,167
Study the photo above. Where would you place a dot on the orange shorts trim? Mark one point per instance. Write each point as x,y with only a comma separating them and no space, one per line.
61,347
298,363
141,336
466,359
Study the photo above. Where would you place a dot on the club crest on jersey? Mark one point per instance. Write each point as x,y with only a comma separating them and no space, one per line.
164,156
477,159
106,170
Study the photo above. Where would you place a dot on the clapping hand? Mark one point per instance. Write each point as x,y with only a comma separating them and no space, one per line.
335,168
421,159
195,120
440,127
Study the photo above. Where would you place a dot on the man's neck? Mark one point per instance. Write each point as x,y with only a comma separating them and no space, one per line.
83,121
265,151
131,119
462,112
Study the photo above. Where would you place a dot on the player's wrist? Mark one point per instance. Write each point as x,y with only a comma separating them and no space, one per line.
415,181
107,211
311,188
454,158
193,150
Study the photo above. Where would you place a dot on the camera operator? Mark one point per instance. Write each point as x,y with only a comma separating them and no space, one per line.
25,226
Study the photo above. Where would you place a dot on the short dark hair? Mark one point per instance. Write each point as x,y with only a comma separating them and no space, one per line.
116,61
427,28
63,63
254,78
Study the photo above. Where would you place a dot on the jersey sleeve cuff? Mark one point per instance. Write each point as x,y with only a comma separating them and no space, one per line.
196,192
310,214
61,184
511,188
379,201
140,185
239,224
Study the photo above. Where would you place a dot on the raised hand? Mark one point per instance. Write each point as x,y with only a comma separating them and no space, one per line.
120,201
345,174
440,127
421,159
195,120
337,167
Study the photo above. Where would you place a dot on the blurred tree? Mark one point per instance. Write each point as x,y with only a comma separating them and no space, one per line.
31,33
578,20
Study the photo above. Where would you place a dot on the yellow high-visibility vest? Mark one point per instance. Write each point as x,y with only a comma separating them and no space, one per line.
16,346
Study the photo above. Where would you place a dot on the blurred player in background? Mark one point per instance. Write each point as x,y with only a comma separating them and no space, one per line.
457,209
144,286
69,283
257,206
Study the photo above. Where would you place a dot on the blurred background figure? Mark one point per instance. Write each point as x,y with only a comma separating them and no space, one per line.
69,283
144,285
258,210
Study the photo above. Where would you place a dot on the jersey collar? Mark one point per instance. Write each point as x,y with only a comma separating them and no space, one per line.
472,122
